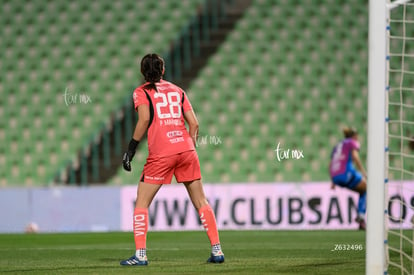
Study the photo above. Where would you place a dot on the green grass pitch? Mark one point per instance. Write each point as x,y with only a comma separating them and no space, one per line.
246,252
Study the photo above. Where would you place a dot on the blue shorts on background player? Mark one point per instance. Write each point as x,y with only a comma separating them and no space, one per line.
344,159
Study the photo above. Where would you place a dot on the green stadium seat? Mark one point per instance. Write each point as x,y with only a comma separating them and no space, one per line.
298,64
42,56
288,73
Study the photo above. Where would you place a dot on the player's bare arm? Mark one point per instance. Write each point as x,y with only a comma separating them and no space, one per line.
142,123
192,121
357,161
140,130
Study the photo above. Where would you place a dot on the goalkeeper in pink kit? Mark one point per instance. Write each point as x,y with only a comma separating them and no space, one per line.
342,169
163,108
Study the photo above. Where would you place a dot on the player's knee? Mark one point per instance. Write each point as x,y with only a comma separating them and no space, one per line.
364,185
361,188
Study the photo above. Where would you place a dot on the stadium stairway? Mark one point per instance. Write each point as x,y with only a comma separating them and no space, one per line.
216,36
55,51
186,57
289,73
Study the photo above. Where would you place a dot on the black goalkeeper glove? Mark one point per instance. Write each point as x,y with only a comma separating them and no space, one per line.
129,155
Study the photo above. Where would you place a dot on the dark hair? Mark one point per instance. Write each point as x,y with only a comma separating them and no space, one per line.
152,67
349,132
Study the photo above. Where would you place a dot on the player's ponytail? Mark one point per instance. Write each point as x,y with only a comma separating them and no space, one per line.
349,132
152,68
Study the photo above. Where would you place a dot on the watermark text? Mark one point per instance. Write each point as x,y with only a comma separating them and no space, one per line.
208,140
76,98
282,153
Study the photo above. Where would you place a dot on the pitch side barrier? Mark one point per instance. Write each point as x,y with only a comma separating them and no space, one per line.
259,206
238,206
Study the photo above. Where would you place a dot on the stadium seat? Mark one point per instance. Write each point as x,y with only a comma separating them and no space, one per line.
287,73
87,48
281,79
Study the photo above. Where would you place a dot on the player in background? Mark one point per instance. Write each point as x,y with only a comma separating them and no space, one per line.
162,110
343,173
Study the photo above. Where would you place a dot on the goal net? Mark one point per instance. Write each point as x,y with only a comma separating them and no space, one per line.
399,139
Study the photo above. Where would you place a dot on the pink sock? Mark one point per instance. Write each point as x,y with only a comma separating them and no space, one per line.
140,227
209,222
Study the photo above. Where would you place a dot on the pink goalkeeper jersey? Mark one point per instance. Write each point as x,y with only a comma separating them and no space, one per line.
341,158
167,134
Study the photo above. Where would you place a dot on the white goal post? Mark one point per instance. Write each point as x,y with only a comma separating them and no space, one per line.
377,84
378,156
